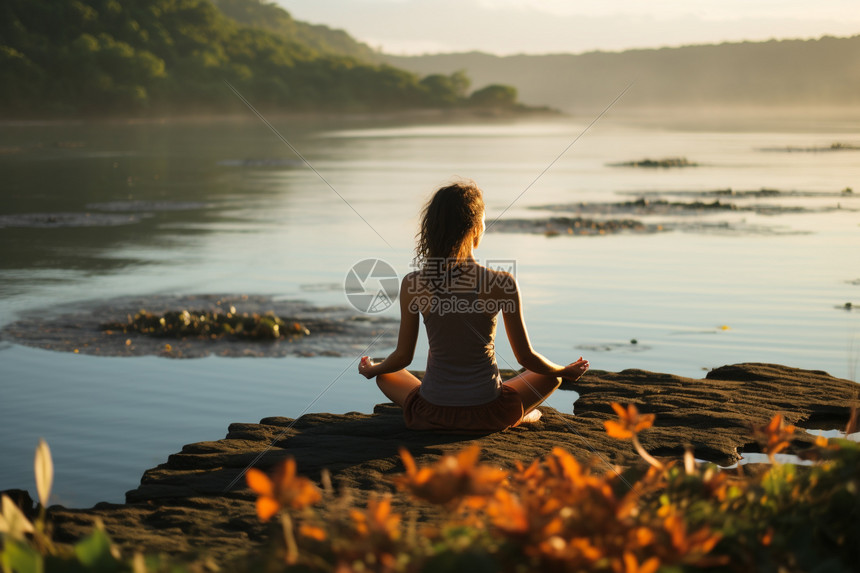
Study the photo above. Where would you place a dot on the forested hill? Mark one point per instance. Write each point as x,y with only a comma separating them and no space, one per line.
321,38
822,72
151,57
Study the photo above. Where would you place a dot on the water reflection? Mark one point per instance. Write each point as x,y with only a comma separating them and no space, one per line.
251,221
98,199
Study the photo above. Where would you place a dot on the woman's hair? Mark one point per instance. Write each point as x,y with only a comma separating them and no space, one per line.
449,223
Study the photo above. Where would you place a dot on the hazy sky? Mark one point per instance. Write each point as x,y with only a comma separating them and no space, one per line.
552,26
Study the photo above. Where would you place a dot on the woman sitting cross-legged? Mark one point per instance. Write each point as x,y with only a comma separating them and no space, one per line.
459,301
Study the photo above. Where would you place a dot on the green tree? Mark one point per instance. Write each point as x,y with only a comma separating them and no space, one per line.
461,83
438,89
494,96
321,39
155,56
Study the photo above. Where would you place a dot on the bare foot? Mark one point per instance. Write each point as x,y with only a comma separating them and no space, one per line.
531,417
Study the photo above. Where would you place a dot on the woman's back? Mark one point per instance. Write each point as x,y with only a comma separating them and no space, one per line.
461,329
459,301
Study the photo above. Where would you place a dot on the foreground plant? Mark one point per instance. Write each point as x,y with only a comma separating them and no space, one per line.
559,514
453,479
556,513
774,437
630,422
27,546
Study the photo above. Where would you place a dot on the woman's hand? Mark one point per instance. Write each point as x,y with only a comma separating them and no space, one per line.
365,367
575,370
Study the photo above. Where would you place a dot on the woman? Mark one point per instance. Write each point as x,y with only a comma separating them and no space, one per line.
459,301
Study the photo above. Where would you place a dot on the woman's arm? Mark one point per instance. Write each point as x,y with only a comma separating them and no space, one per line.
515,327
406,338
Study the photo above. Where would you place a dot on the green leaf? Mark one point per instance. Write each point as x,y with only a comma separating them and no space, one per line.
95,550
44,470
21,558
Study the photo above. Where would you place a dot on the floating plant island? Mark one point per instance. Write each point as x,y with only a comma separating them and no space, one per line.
197,326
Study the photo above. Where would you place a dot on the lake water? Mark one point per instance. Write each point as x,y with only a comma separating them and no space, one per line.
228,209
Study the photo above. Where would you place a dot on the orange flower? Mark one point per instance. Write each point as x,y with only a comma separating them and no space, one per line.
775,436
567,467
508,514
312,531
285,489
628,426
570,477
576,553
630,422
629,564
640,537
452,478
377,519
690,545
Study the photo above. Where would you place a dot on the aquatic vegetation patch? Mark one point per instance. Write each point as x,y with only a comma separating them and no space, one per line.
554,226
649,204
632,346
138,206
211,324
63,220
764,192
835,146
580,226
731,228
195,326
596,218
665,163
642,206
261,162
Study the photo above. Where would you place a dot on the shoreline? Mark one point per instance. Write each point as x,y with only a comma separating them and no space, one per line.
447,115
801,120
191,489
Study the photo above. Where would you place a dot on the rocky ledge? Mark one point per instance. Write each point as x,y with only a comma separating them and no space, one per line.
189,505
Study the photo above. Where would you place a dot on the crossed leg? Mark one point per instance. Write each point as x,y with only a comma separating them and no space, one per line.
397,385
533,388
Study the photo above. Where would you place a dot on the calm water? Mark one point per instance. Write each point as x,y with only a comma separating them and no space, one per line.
256,221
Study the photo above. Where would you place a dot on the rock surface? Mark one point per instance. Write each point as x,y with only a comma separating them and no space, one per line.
187,506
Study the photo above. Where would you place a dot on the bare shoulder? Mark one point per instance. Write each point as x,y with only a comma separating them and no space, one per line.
410,289
411,283
500,283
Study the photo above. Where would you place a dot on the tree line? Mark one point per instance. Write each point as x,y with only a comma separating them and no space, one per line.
93,57
777,73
